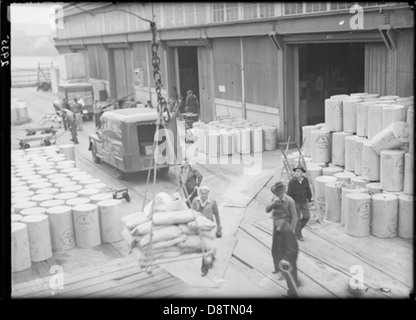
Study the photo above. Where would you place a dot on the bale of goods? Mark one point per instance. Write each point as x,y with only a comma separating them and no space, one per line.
110,222
319,197
392,114
375,119
51,191
30,177
358,94
333,114
256,139
200,139
227,140
349,115
392,137
405,229
61,228
331,171
313,173
100,197
408,173
40,186
333,201
70,170
32,211
389,97
86,225
39,237
270,138
15,217
20,189
19,206
20,247
245,141
392,170
411,122
339,96
62,184
100,186
73,188
87,192
22,174
384,215
306,137
350,152
68,150
359,181
346,190
81,177
58,176
370,165
56,159
338,148
213,144
374,188
46,173
51,203
39,198
407,102
320,144
65,196
77,201
357,214
362,118
358,152
16,183
371,96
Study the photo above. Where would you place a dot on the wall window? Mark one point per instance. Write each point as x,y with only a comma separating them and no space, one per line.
266,10
189,11
200,13
218,12
250,10
316,6
168,15
341,5
178,9
232,11
293,8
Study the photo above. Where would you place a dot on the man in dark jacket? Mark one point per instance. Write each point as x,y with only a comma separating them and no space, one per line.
300,191
287,248
191,104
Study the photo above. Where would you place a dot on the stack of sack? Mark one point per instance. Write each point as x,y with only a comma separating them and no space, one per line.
174,227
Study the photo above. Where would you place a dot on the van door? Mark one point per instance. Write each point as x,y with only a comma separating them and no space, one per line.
112,143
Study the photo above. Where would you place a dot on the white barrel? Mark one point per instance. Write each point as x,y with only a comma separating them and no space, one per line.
350,152
30,177
24,173
62,184
359,181
74,188
392,170
391,97
213,144
39,237
319,198
110,222
58,176
39,198
52,191
374,188
87,192
87,225
88,181
61,228
56,158
333,201
384,215
77,201
306,136
362,118
40,186
237,140
405,102
405,223
100,197
331,171
314,172
344,192
349,115
339,96
20,247
15,217
32,211
370,164
245,141
15,200
371,96
270,138
62,167
16,183
358,154
392,137
70,170
52,203
320,144
393,113
199,139
19,206
357,214
68,150
411,122
46,173
333,114
408,173
81,177
66,196
375,119
256,140
100,186
75,173
20,189
24,165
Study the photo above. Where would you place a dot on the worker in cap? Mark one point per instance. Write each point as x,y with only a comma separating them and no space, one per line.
300,191
283,208
190,179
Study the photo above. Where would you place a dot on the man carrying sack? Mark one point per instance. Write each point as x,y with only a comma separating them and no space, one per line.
190,179
283,208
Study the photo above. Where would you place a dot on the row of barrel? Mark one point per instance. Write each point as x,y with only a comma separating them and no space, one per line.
234,136
57,206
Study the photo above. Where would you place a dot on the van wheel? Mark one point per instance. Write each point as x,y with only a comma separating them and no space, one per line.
120,174
164,171
94,154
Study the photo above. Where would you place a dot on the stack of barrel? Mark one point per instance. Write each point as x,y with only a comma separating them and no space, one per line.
234,137
56,206
361,163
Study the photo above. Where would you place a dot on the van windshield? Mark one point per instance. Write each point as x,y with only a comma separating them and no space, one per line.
86,95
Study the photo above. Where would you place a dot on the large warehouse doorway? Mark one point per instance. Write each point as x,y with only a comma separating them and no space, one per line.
188,71
325,70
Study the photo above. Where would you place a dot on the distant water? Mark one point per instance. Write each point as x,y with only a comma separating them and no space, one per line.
32,62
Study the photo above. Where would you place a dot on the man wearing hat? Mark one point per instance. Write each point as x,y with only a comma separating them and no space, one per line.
283,208
300,191
191,179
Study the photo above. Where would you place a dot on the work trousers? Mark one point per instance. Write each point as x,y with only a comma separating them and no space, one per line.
97,117
73,129
302,210
292,286
78,119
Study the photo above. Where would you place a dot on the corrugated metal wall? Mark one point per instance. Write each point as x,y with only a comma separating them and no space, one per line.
227,68
92,62
124,74
376,68
102,63
260,65
405,62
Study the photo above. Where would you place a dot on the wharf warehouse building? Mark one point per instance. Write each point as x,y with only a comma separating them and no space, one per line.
274,63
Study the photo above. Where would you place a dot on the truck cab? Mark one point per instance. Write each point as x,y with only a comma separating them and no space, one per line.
125,141
72,90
